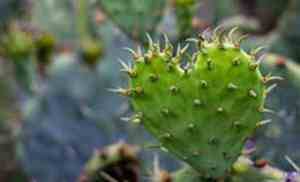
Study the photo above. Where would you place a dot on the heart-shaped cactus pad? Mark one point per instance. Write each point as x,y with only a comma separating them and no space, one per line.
203,110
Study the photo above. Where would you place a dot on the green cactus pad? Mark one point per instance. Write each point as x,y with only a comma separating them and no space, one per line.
204,112
135,17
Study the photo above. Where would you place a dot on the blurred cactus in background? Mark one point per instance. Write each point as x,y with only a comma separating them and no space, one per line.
12,10
135,17
185,11
265,11
60,60
287,38
9,125
117,162
18,48
44,47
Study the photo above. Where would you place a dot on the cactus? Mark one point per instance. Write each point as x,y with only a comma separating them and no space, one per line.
47,15
204,112
12,9
287,42
117,162
91,51
222,9
18,47
135,17
244,170
273,141
184,11
261,10
44,46
289,68
10,170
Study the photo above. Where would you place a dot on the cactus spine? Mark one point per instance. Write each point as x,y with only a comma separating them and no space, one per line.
202,112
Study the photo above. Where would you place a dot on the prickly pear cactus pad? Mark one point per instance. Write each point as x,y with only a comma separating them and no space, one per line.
202,112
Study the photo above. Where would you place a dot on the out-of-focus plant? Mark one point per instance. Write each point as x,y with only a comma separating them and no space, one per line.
70,38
